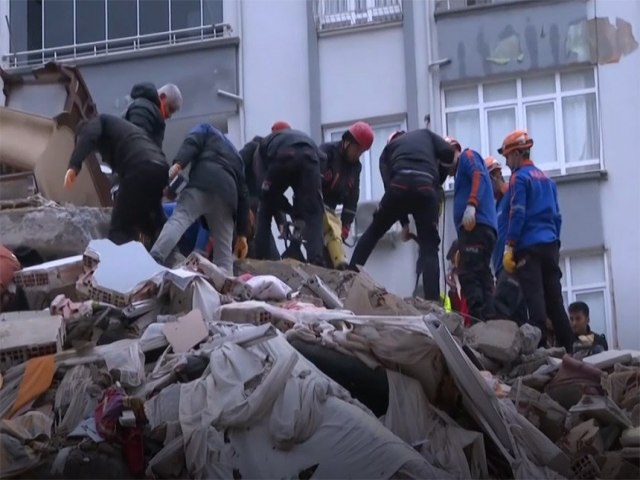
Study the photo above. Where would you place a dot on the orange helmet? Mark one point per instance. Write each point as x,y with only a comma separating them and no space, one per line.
279,125
395,135
492,164
515,141
453,142
362,133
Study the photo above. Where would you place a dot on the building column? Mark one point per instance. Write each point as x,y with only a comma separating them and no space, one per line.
410,69
313,57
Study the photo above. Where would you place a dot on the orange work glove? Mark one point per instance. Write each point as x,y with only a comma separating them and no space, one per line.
508,260
70,178
241,248
174,170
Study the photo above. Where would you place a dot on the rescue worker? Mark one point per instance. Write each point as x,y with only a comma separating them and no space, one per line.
410,167
474,217
341,169
150,108
289,158
585,341
532,248
508,299
141,167
216,189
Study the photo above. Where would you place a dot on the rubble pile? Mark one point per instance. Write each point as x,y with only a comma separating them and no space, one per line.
289,370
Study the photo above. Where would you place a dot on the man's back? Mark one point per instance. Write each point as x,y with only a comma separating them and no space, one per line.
145,112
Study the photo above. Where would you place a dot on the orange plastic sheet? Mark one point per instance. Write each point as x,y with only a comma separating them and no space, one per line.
37,378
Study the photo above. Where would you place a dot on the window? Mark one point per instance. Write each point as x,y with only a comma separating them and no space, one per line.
63,25
332,14
585,278
560,111
371,186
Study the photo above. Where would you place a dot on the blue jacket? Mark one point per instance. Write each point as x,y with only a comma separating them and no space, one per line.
473,187
534,217
502,208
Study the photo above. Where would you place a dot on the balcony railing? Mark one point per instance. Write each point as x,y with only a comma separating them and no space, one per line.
342,14
447,5
119,45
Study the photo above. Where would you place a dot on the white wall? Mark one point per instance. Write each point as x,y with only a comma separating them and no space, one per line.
620,120
362,74
273,36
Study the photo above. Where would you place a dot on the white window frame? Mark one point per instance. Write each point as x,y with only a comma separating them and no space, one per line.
560,167
368,163
571,290
351,14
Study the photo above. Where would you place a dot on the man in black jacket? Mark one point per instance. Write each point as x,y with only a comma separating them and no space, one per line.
341,186
413,167
289,158
586,341
216,190
150,108
142,169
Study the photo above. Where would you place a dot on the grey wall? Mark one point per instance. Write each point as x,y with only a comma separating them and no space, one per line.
506,39
199,72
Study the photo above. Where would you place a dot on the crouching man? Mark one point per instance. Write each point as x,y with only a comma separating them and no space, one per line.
141,167
216,189
289,158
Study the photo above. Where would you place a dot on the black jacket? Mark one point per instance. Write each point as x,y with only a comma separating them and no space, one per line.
145,112
216,166
247,152
121,144
415,159
275,143
340,181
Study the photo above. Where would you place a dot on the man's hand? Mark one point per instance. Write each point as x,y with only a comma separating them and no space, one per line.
70,178
345,232
469,218
174,171
241,248
405,234
508,260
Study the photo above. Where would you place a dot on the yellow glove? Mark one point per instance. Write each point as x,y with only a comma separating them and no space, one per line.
241,248
174,170
70,178
508,260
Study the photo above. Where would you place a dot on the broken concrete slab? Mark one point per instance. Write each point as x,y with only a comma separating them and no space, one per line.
574,379
497,339
603,409
366,297
49,275
186,332
53,231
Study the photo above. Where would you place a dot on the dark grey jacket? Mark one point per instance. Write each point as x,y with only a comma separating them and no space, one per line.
145,112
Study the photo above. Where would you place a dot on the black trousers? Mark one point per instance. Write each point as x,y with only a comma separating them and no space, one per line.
508,299
540,276
300,170
422,204
138,204
474,271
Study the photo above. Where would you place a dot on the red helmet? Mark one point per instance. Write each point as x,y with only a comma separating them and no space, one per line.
453,142
362,133
395,135
280,125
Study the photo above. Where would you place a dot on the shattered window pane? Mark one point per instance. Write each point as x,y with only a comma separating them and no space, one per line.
581,133
544,85
460,97
577,80
541,124
494,92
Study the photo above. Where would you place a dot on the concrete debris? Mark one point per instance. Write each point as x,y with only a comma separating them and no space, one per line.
290,370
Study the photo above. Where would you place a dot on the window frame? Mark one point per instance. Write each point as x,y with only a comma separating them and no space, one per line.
569,290
560,166
368,163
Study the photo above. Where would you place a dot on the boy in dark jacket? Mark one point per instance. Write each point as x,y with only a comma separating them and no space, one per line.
216,190
474,216
150,108
532,249
341,169
141,167
289,158
411,168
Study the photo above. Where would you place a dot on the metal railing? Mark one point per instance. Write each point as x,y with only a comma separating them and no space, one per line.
340,14
447,5
117,45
